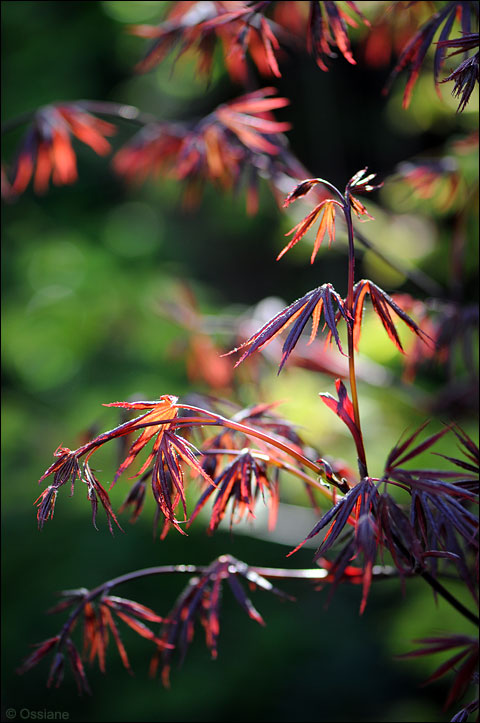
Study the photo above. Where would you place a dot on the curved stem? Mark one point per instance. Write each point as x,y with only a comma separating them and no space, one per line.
333,188
251,432
317,573
106,586
215,419
417,276
117,110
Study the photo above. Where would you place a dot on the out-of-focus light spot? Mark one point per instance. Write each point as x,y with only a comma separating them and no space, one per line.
47,296
133,230
134,12
54,261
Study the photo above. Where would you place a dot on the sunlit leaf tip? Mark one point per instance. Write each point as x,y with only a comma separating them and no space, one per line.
327,225
381,303
312,304
300,190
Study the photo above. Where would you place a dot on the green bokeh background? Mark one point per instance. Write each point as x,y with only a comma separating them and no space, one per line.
84,271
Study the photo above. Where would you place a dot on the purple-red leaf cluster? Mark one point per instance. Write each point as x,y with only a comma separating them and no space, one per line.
238,142
200,601
47,148
415,51
297,314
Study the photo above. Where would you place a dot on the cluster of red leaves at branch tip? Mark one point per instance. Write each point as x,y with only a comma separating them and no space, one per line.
253,472
200,600
466,74
437,180
416,542
438,502
99,622
360,182
413,55
68,469
381,302
47,149
238,142
168,453
452,328
390,30
312,304
464,663
243,29
242,481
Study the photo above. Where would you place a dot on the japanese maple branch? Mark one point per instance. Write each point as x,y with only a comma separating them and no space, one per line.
217,419
118,110
447,595
251,432
351,349
347,212
281,465
317,573
106,586
437,586
417,276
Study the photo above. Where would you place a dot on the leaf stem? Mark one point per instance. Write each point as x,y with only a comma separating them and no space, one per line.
316,573
417,276
218,419
272,572
252,432
351,347
106,586
117,110
438,587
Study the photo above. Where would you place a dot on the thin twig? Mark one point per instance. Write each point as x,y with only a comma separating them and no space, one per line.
128,577
117,110
419,277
